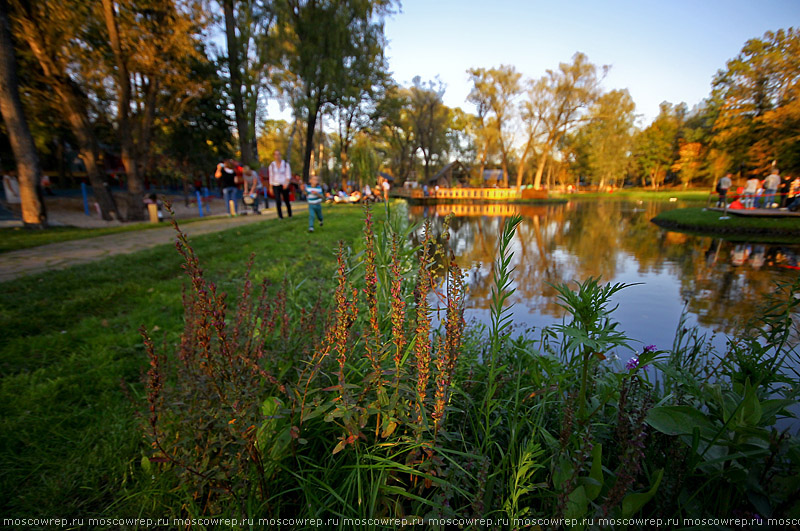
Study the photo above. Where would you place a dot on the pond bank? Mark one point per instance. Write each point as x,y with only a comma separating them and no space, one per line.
703,221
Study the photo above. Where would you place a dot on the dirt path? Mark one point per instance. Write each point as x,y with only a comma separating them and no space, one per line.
61,255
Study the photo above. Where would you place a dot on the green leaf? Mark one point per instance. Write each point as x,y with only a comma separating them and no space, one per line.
770,408
680,420
577,504
596,473
633,502
750,414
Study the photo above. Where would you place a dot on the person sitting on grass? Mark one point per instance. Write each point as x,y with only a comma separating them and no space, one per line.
314,195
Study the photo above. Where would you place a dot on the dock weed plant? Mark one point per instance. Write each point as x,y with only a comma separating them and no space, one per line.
380,402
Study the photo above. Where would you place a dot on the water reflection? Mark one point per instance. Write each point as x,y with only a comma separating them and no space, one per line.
720,283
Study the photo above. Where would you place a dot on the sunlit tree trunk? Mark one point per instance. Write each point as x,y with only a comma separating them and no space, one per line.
74,103
28,169
135,210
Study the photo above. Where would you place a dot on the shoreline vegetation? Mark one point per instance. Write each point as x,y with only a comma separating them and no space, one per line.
708,223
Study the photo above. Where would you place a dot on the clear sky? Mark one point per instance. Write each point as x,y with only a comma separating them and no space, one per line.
667,50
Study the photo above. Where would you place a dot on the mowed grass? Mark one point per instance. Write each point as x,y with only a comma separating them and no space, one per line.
71,357
640,193
701,221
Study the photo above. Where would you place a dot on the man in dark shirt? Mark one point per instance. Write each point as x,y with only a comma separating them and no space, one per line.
227,181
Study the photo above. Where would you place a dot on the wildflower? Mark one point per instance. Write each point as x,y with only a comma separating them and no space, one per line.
632,364
650,348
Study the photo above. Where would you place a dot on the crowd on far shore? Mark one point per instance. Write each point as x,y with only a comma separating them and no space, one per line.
774,191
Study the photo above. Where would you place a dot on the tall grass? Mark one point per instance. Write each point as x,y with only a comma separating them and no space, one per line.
366,408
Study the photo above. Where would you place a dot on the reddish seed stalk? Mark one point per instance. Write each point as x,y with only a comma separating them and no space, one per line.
398,308
422,331
373,335
346,313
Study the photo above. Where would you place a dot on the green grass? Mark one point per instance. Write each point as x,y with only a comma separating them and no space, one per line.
13,239
701,221
69,441
640,193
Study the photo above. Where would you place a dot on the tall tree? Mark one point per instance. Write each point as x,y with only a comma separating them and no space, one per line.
28,168
606,137
392,119
55,33
496,89
655,148
152,44
250,55
568,92
430,119
357,107
328,39
690,156
759,95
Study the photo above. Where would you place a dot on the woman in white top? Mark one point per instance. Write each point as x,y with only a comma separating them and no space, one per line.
279,176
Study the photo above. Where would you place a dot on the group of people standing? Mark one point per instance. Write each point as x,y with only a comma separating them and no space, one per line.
274,181
773,190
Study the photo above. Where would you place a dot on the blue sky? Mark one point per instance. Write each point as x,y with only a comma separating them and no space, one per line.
659,51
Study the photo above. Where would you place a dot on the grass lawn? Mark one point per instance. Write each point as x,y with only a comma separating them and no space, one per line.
640,193
702,221
69,442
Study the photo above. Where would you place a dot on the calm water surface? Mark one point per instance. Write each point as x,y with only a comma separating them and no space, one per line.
719,283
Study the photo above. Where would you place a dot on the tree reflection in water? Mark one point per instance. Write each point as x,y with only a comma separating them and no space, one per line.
720,282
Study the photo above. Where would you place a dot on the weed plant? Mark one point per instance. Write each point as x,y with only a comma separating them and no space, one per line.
361,408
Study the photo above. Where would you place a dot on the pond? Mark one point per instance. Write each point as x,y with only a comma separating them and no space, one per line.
718,283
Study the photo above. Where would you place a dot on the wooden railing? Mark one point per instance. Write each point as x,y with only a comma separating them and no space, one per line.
469,194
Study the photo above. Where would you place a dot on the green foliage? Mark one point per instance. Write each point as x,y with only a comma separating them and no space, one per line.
273,406
757,95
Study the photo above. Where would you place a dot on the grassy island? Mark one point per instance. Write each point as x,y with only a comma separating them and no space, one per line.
701,221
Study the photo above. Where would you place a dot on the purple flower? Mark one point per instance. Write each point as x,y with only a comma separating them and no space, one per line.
650,348
632,363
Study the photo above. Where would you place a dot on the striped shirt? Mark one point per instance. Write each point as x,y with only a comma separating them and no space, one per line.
315,194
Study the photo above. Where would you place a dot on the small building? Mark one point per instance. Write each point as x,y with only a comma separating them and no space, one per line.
493,178
454,175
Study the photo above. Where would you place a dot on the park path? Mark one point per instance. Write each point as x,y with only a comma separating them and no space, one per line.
61,255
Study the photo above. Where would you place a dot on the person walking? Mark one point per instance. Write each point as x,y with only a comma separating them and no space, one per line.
280,175
723,186
226,175
314,197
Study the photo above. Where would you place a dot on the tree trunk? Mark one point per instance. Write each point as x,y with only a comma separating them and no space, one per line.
28,169
236,84
74,104
135,210
288,154
313,111
537,181
521,168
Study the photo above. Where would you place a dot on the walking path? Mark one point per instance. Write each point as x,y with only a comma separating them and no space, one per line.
61,255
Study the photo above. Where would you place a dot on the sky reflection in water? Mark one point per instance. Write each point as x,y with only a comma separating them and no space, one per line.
720,282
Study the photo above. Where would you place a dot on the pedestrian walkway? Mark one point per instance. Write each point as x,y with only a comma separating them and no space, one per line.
62,255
